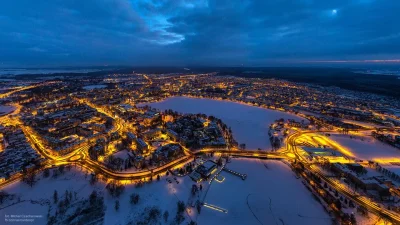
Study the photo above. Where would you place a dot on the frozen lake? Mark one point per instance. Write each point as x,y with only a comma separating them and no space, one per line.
267,196
249,124
91,87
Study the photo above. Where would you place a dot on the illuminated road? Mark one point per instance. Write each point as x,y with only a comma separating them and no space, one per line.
137,175
18,89
79,157
23,88
360,200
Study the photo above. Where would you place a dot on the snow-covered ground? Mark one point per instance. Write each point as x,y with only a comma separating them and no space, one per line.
249,123
270,195
364,124
5,109
34,200
161,193
393,168
366,148
91,87
121,154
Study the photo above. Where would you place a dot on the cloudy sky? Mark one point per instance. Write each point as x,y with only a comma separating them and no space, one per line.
198,32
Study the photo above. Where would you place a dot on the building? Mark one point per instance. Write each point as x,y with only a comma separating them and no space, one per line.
207,169
96,151
142,145
369,180
173,135
131,137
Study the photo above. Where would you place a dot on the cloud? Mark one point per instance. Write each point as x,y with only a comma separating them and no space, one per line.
37,49
201,32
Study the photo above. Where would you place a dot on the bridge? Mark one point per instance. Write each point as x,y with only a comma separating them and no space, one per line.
245,153
243,176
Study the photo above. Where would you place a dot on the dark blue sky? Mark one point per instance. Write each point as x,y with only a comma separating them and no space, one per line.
197,32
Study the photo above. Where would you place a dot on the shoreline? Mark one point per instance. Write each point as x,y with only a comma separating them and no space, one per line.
250,124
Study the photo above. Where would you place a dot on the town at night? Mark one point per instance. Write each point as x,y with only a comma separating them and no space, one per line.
119,112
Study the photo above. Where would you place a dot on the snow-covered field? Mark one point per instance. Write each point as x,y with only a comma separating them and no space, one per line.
363,124
91,87
249,124
42,192
162,194
5,109
267,196
367,149
273,196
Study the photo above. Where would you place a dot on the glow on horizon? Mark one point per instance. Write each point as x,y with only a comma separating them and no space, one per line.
356,61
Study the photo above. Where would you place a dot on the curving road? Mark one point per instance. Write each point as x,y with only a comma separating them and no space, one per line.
360,200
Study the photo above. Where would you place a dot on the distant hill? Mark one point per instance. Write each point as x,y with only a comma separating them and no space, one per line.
343,78
339,77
